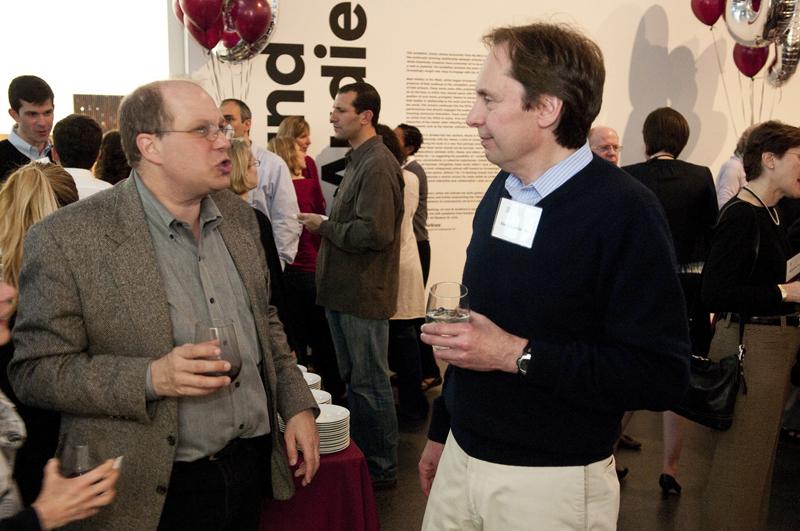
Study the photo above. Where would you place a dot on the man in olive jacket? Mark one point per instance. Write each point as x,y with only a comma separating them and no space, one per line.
110,291
357,274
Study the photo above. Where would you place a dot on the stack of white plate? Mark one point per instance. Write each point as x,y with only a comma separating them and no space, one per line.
322,397
333,424
302,368
314,381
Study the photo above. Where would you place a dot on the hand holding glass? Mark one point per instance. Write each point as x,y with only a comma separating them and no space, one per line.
448,302
75,458
225,333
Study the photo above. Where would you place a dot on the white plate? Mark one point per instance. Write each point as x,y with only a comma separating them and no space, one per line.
331,414
322,397
302,368
314,381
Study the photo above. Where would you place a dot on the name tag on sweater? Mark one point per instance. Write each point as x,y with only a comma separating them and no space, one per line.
516,222
792,267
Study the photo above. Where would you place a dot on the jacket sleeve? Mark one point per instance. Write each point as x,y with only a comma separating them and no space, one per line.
52,367
374,209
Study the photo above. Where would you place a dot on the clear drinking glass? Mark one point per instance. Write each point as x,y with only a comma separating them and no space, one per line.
75,457
225,332
448,302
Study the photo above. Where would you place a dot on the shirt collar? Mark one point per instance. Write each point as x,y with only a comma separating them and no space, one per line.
26,149
355,155
158,214
553,178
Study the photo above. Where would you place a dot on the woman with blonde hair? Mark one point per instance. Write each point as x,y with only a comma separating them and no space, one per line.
297,128
312,326
31,193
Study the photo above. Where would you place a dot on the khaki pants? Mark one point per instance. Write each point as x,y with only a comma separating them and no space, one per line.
470,494
737,493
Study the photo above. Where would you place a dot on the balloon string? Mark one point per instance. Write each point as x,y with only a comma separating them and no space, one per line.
741,92
761,106
724,84
214,69
247,79
752,100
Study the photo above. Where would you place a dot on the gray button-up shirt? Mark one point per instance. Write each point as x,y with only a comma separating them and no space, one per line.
202,284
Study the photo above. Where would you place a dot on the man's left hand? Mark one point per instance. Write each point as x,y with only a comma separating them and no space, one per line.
301,431
310,221
479,345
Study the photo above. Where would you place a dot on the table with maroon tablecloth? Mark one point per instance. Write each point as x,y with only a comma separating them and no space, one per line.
339,498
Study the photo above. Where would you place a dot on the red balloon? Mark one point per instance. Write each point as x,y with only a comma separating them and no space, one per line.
202,13
230,39
708,11
251,18
207,39
176,6
750,61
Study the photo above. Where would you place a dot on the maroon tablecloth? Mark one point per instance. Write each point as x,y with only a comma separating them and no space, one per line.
339,498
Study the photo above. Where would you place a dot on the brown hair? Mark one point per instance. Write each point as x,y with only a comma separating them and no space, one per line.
665,129
293,127
286,148
142,111
560,61
770,137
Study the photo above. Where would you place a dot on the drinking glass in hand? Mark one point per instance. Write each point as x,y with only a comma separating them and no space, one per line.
225,333
75,458
447,303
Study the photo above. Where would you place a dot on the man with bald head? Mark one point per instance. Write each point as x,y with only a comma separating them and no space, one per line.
604,142
112,292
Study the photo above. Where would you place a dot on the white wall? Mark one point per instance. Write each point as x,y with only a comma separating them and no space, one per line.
82,47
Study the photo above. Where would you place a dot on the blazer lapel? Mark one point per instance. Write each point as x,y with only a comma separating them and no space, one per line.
135,270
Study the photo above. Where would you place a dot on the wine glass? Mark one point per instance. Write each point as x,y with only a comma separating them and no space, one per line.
448,302
225,332
75,457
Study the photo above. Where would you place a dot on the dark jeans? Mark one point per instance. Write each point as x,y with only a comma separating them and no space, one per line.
224,493
312,330
404,360
424,248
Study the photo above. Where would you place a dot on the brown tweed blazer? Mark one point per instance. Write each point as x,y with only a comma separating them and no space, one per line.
93,313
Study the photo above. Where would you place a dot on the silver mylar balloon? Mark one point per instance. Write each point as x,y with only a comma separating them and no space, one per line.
244,50
758,28
788,53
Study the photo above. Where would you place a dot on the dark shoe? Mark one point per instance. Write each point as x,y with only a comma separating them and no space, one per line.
428,383
629,443
622,472
384,484
668,485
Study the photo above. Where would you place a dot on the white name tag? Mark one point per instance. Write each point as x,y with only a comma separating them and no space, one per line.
792,267
516,222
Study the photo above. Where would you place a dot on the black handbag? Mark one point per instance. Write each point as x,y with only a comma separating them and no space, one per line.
713,388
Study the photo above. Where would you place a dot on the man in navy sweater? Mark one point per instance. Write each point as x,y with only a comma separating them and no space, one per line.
577,314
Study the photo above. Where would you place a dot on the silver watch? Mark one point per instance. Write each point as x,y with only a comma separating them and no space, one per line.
524,360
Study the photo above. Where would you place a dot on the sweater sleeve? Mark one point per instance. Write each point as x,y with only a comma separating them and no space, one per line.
637,357
25,520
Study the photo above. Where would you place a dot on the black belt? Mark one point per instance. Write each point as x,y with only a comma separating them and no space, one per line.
790,320
262,443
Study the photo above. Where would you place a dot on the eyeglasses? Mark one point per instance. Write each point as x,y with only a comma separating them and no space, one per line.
255,162
608,148
209,132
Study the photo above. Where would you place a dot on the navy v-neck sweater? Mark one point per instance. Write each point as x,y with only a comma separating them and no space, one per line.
598,296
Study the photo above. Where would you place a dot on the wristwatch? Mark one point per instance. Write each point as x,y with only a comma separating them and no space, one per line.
524,360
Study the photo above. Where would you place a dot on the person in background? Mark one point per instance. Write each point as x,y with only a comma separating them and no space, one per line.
31,193
112,167
404,357
686,193
308,317
410,139
31,106
745,280
357,274
244,177
576,315
604,142
297,128
76,145
731,175
274,195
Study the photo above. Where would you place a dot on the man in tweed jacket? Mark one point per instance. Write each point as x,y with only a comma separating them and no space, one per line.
110,291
